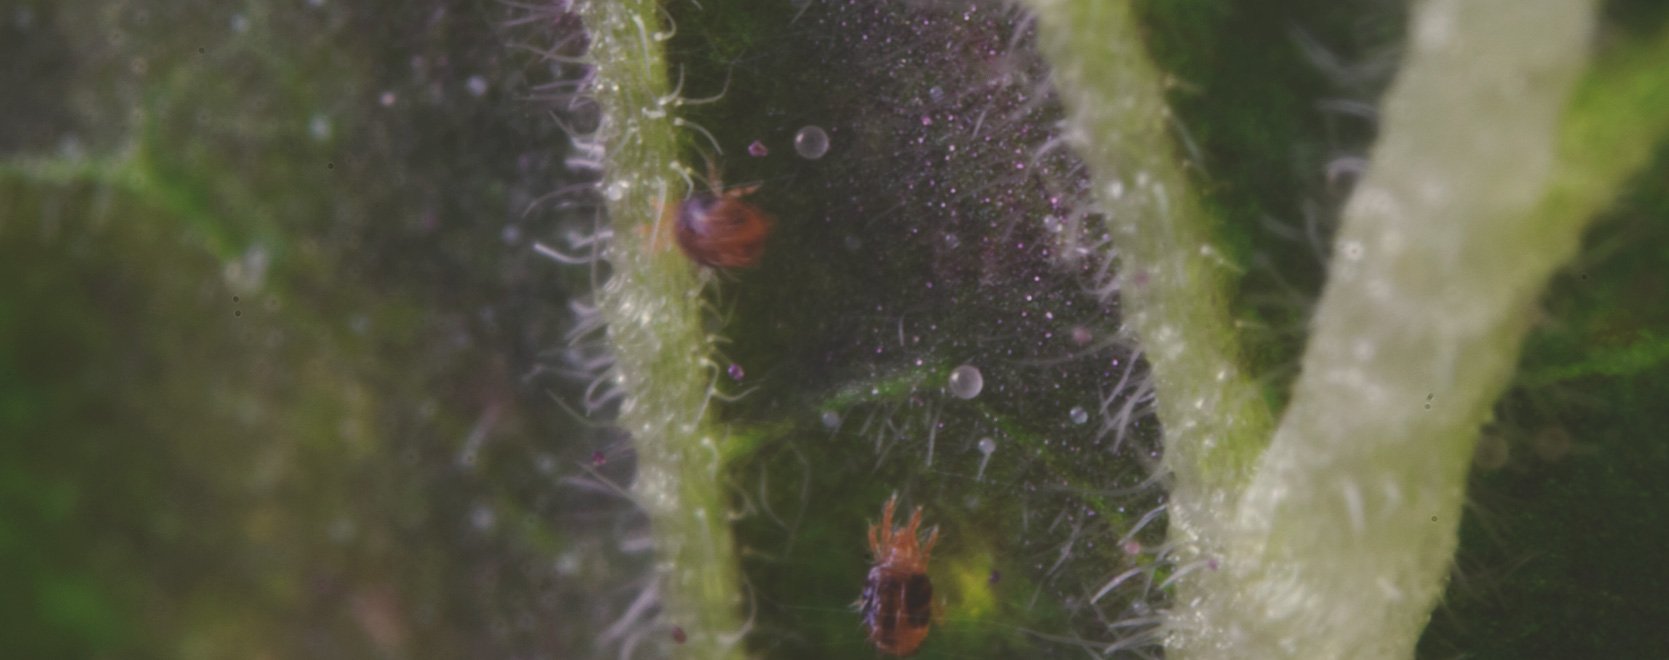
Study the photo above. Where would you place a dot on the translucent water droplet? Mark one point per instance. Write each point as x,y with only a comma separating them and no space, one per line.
831,419
319,128
965,382
476,85
811,142
1492,452
1078,415
1552,444
986,447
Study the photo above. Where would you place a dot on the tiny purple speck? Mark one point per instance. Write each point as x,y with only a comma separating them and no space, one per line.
758,149
736,372
598,459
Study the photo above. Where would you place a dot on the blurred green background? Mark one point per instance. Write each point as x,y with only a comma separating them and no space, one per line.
280,372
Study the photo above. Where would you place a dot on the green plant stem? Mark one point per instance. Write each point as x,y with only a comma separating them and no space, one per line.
653,307
1341,541
1175,281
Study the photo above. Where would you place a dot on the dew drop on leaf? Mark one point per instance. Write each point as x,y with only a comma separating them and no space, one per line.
986,447
811,142
965,382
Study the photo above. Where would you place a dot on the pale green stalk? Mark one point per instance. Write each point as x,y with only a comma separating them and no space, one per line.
1341,544
1336,542
653,307
1174,280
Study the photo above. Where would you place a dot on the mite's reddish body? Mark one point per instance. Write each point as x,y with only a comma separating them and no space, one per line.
722,229
897,601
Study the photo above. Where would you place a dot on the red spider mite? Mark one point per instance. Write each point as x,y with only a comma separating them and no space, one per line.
719,228
897,601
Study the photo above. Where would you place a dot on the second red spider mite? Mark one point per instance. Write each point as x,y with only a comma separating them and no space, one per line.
720,228
897,601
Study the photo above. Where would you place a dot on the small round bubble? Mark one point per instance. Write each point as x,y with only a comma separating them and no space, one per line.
811,142
1492,452
1552,444
965,382
831,419
1078,415
986,447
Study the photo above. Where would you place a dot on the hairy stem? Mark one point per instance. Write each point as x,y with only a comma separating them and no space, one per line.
1336,541
1175,281
1342,542
653,308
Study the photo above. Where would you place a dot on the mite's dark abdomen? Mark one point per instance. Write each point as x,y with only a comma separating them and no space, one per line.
918,600
895,603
